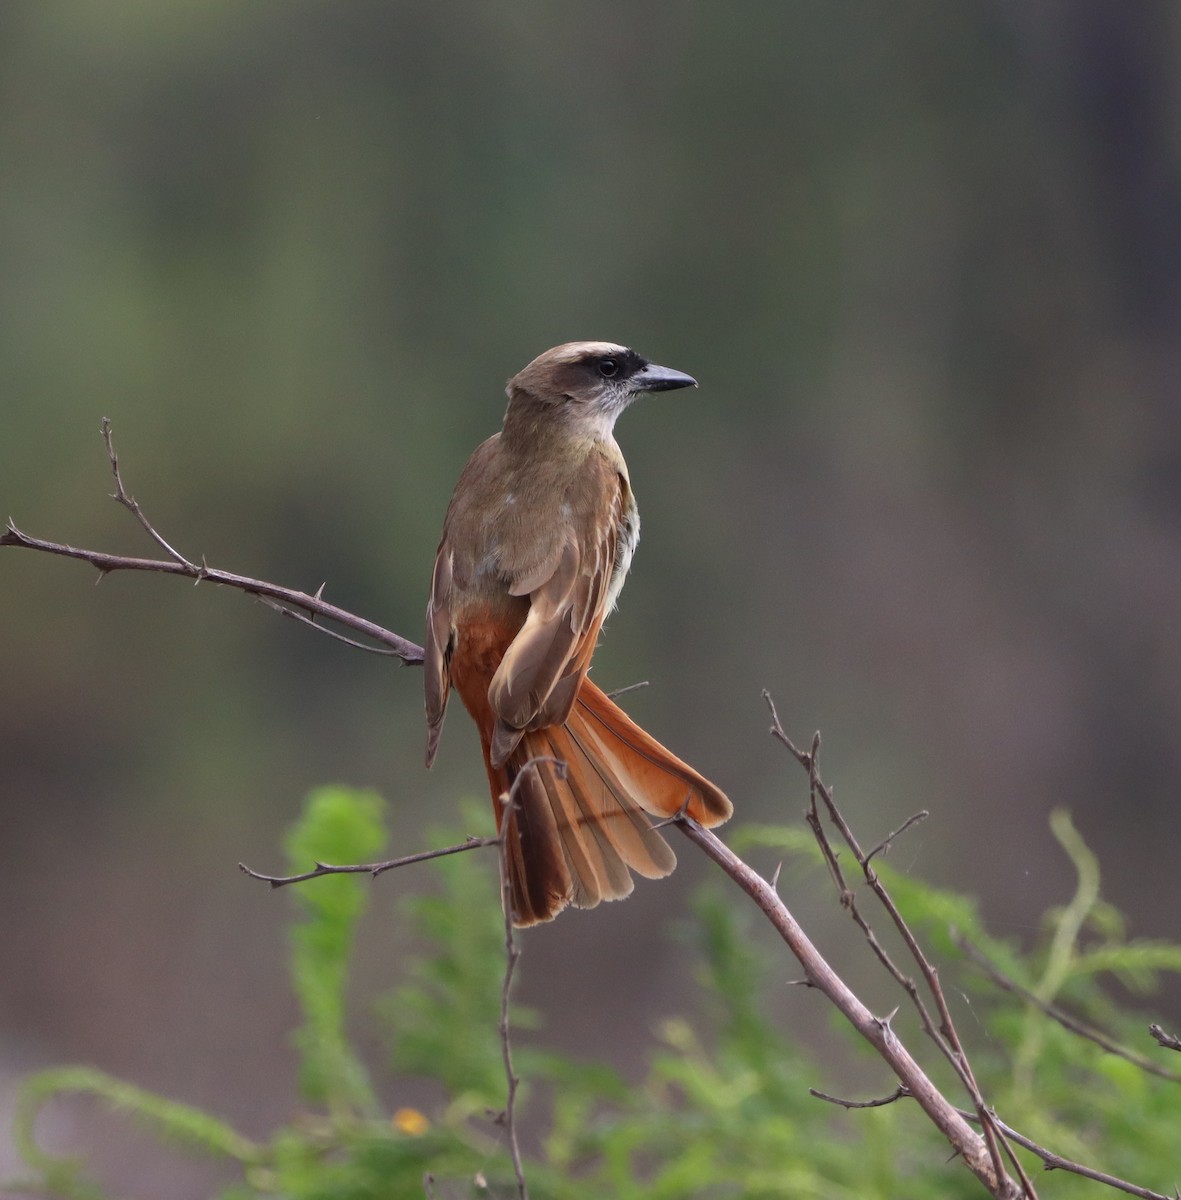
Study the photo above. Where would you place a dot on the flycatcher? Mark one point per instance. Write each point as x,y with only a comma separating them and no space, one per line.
536,544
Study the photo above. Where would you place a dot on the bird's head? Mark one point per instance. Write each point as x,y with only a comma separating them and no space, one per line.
589,383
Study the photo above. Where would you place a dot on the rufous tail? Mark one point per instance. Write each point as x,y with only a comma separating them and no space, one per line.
577,834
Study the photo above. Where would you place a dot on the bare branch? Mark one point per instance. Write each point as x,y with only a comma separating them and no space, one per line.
1082,1028
883,847
410,653
311,623
899,1093
1055,1162
374,869
511,956
975,1150
631,687
677,817
777,732
122,497
945,1036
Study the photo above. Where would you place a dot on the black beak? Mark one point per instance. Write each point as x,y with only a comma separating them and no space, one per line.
653,378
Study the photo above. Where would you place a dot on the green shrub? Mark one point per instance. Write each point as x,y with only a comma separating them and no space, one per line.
720,1112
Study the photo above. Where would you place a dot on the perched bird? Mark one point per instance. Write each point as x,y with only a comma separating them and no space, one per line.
536,544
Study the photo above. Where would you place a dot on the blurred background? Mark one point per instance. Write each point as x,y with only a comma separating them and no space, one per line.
925,260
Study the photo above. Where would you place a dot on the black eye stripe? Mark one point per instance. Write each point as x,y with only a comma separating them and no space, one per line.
617,365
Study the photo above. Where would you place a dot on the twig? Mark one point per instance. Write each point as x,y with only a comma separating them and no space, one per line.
1168,1041
974,1149
883,847
512,954
1082,1028
122,497
631,687
945,1036
374,869
899,1093
310,622
410,653
677,817
1055,1162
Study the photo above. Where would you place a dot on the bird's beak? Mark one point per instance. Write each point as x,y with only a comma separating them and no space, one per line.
660,379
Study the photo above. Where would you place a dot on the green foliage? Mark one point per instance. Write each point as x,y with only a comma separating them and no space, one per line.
716,1113
442,1017
338,826
179,1123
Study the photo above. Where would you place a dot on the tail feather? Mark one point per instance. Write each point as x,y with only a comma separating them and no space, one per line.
540,883
660,782
595,868
575,839
605,809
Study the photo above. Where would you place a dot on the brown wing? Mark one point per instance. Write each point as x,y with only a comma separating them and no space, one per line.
440,641
538,679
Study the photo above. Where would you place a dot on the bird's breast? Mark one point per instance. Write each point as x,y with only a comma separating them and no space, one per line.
627,538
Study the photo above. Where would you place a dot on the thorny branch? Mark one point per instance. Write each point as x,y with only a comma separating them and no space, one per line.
945,1035
1055,1162
1050,1160
122,497
897,1094
176,564
1064,1019
974,1150
374,869
512,955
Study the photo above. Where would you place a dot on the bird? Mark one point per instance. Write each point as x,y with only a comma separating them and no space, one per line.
537,541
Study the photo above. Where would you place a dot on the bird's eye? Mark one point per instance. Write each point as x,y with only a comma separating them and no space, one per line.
608,367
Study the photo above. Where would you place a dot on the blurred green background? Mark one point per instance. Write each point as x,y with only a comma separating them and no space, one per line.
925,260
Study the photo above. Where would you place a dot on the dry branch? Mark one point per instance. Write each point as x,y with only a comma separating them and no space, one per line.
945,1036
1074,1024
374,869
876,1030
177,564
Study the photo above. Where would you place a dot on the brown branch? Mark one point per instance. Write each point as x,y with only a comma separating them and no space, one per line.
899,1093
975,1151
1055,1162
945,1036
1076,1026
883,847
176,564
1050,1160
374,869
512,955
121,496
310,623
